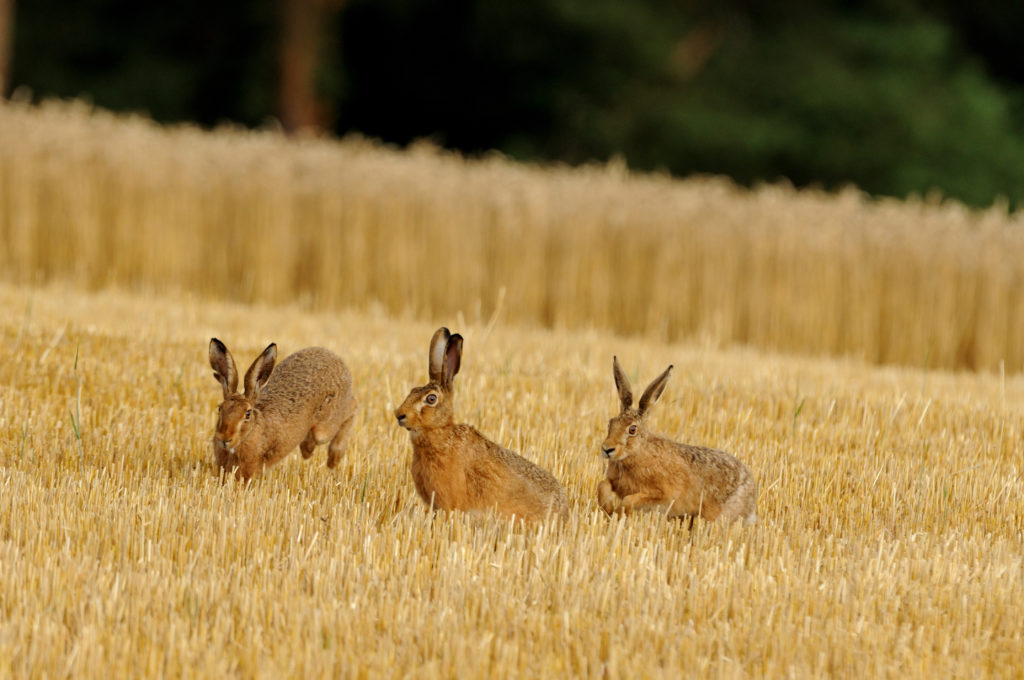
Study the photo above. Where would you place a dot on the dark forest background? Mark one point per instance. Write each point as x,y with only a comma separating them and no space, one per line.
894,96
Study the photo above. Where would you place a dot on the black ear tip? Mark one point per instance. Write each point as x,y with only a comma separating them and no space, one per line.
454,342
214,342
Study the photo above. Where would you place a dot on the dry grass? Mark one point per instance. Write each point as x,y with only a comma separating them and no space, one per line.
97,199
891,500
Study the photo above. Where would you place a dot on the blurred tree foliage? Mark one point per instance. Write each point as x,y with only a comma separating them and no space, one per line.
188,60
895,96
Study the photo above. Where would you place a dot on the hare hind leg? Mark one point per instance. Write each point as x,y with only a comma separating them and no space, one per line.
337,446
742,504
317,435
308,444
329,430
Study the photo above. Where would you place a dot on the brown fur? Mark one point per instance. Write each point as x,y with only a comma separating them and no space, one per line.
304,401
454,467
650,472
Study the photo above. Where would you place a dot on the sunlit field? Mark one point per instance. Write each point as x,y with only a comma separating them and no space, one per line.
94,199
861,357
889,542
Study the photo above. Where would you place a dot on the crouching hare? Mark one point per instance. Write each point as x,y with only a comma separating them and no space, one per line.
650,472
305,401
455,467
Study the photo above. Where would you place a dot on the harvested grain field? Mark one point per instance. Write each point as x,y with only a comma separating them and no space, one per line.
889,543
862,357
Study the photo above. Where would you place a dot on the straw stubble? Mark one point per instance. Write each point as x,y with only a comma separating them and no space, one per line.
889,541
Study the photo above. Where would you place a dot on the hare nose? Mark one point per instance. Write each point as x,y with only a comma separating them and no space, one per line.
607,451
401,418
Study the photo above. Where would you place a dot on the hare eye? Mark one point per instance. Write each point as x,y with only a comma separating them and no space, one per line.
431,399
632,430
248,413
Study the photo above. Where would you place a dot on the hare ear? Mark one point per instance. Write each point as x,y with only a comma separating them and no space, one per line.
622,384
259,373
654,391
438,345
452,360
223,365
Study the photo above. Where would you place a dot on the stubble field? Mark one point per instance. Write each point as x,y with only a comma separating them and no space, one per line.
889,543
891,532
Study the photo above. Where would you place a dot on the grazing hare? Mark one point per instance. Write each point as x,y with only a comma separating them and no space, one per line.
455,467
307,400
649,472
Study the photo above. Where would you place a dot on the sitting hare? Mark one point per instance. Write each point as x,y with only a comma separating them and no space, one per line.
455,467
649,472
305,401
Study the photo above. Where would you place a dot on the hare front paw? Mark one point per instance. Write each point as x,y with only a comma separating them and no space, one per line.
607,498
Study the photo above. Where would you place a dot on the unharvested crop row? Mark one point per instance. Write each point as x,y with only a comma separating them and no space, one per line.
99,199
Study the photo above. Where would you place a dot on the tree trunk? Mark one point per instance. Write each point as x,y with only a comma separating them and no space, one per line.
6,45
302,24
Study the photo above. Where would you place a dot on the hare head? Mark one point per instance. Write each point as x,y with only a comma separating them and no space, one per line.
430,406
237,414
628,430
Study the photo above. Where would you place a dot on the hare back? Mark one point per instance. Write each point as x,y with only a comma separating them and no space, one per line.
538,489
456,467
312,385
716,468
698,480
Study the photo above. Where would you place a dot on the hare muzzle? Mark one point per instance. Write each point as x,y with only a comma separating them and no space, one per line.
607,451
402,417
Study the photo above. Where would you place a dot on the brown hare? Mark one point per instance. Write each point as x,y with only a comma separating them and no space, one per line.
455,467
305,401
649,472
